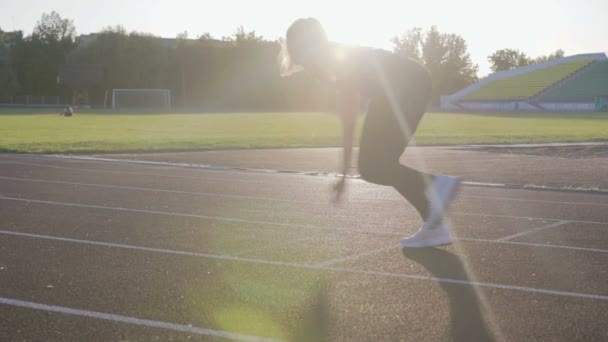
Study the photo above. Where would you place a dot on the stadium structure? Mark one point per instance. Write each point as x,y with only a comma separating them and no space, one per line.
574,83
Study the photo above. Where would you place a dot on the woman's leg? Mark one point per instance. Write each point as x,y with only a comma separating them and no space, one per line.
383,141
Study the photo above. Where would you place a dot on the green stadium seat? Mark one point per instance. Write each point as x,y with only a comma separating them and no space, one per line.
589,84
526,85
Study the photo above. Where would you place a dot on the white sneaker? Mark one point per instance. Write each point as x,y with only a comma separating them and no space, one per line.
429,237
440,192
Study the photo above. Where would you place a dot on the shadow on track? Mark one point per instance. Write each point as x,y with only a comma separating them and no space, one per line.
467,323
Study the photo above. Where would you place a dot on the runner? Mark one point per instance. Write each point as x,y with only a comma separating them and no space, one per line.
395,92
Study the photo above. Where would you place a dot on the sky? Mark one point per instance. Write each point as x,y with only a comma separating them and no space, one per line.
536,27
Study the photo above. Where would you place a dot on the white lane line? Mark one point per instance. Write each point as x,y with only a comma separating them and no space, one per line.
532,231
206,194
160,163
269,246
356,256
204,217
396,199
272,172
207,167
523,217
102,171
533,200
170,213
222,169
529,244
216,170
131,320
475,284
202,177
532,244
475,147
321,268
294,225
154,250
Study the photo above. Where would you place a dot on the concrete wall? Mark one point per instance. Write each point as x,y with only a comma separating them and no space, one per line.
568,106
520,106
505,106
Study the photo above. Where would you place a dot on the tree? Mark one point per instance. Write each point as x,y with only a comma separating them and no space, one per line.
238,72
246,71
8,79
444,54
36,67
8,75
409,43
506,59
134,60
182,36
205,36
36,57
458,71
243,37
53,28
556,55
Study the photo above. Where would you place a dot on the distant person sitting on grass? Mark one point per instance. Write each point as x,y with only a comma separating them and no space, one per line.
395,91
68,111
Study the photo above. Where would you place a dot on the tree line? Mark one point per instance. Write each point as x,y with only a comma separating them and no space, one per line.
506,59
239,72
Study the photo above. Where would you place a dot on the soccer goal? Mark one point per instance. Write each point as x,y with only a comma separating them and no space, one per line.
141,98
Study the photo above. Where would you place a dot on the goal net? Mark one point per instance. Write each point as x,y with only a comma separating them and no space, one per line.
141,98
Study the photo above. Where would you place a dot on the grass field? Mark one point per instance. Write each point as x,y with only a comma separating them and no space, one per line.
109,132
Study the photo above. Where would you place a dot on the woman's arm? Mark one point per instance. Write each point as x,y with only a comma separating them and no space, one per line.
348,107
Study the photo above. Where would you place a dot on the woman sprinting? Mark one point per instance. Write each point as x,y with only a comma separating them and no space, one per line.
395,91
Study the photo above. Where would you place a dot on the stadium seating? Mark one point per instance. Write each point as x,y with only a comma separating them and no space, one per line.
526,85
590,83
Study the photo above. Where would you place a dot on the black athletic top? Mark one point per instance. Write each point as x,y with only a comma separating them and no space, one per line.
375,72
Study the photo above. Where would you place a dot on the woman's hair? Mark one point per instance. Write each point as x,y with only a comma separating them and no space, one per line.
303,39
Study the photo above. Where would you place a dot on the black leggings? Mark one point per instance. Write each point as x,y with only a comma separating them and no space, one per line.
384,139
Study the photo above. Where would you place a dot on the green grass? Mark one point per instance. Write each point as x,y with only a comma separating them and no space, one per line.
108,132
